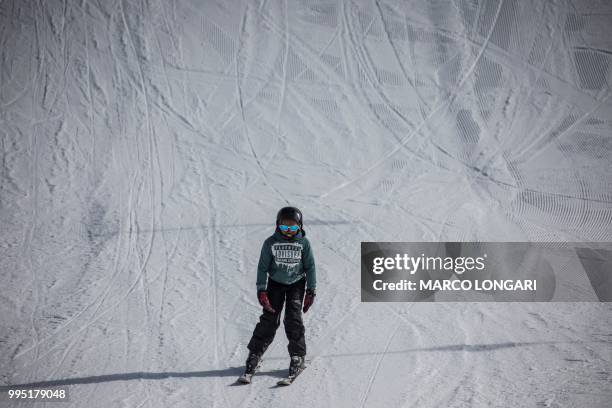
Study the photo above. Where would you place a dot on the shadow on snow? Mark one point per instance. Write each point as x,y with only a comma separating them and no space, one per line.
236,371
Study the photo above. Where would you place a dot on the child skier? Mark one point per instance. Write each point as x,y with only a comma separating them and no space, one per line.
286,271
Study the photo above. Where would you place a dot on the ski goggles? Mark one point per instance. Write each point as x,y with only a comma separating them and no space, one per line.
292,228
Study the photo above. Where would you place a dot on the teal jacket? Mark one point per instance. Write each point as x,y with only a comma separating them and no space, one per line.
286,260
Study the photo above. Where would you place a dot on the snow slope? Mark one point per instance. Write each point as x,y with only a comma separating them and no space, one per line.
147,145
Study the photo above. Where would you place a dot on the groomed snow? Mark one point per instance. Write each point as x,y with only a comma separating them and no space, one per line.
147,145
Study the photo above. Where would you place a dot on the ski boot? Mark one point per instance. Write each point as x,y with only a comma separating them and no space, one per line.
253,362
296,366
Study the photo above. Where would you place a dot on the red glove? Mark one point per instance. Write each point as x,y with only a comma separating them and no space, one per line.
262,296
309,299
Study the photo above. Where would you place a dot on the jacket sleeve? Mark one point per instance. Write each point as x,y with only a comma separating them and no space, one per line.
309,266
265,257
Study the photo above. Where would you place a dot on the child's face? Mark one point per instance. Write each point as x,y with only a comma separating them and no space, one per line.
289,233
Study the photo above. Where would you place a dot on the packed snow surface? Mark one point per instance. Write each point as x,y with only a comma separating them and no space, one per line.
147,145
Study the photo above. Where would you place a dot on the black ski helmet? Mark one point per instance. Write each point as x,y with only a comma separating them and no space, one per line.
289,213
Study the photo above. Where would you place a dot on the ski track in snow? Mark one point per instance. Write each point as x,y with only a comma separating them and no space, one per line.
146,147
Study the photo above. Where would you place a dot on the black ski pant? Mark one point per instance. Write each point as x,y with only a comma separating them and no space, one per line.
291,296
